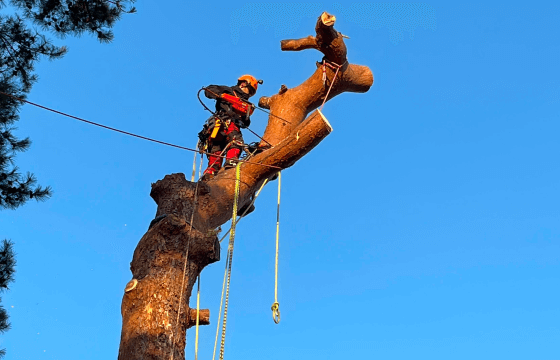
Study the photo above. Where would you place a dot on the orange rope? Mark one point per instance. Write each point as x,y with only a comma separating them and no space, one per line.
331,65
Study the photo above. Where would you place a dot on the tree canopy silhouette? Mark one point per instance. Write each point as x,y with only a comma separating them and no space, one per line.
22,45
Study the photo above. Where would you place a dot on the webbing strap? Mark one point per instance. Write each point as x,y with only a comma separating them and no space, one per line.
230,257
276,306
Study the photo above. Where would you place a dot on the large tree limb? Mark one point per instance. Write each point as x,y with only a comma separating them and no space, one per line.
295,104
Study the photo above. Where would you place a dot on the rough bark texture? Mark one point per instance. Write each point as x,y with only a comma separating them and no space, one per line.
155,306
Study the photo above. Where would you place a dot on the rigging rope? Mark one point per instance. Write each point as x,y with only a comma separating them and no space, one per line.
247,209
331,65
230,258
276,306
128,133
187,257
198,282
197,318
221,302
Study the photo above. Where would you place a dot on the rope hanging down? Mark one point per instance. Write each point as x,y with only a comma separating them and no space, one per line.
198,280
226,269
197,318
129,133
245,212
221,303
187,257
276,306
230,257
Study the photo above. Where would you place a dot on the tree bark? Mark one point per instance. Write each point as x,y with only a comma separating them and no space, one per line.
155,306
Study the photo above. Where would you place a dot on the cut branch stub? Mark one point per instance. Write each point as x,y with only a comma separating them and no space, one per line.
296,103
203,317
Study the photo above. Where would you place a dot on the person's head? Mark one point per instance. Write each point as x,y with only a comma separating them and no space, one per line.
248,84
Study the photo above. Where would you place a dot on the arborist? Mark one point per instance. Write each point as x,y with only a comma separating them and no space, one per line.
221,132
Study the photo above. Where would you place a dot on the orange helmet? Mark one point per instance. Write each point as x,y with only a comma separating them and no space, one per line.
251,80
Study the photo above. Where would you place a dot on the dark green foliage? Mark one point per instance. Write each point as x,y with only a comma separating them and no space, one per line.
21,46
7,264
19,49
7,270
75,16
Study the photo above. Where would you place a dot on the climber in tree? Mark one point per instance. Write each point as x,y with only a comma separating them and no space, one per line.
222,133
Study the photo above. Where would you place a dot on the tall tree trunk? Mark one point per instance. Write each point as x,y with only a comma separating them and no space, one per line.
155,306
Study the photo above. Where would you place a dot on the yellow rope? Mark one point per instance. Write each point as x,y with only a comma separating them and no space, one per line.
220,311
198,281
225,272
247,209
186,253
276,306
230,258
197,319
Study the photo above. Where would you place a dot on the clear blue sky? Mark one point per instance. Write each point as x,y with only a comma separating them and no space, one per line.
426,226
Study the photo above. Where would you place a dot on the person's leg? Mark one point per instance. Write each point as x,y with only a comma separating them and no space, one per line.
214,160
235,139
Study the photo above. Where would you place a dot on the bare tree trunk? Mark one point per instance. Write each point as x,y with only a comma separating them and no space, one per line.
155,306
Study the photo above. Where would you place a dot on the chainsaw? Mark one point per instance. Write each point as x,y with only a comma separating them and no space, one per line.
240,106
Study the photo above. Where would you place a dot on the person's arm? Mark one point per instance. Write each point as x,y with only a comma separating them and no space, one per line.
214,91
245,122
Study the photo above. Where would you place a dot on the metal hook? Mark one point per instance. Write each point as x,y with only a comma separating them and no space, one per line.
275,312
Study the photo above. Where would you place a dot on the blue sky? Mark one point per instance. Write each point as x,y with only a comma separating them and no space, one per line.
425,226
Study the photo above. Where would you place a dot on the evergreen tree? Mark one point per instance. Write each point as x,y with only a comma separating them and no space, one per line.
23,24
21,46
7,269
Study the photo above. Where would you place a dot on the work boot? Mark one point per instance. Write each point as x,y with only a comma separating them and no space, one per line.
255,148
231,163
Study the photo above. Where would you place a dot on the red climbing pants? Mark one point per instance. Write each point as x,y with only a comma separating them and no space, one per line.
228,137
